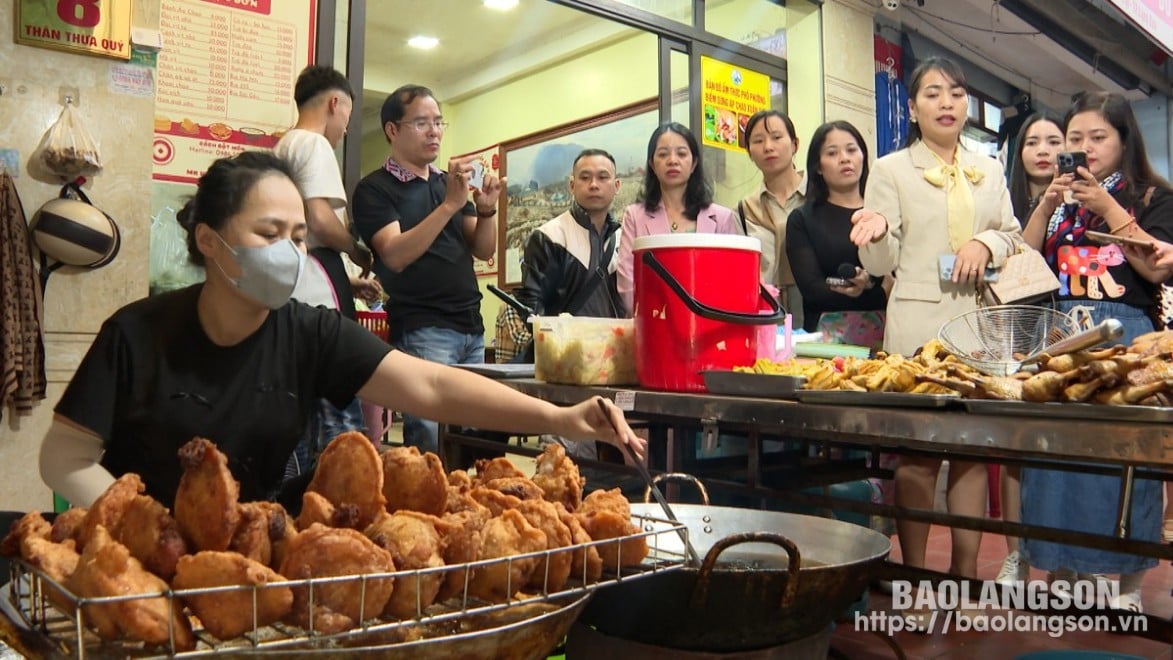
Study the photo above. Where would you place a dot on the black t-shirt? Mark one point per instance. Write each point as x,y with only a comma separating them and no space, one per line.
1093,271
153,380
440,288
817,242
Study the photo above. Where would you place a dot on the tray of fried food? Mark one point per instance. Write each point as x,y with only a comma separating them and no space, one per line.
379,539
1116,383
886,380
764,379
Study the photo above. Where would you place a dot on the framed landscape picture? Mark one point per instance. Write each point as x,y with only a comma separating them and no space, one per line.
538,170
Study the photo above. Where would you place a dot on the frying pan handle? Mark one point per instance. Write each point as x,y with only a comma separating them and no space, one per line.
677,476
700,593
776,314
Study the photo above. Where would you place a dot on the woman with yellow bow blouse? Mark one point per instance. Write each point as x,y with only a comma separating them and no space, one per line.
935,198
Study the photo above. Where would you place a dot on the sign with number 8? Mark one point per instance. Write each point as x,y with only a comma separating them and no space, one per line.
98,27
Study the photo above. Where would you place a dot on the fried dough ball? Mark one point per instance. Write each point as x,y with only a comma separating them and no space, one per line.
350,472
229,614
322,551
415,543
558,477
504,536
414,482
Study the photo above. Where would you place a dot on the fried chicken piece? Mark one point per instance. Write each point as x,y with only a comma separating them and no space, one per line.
497,468
106,568
315,508
585,562
414,482
462,544
151,535
350,472
558,477
506,535
606,514
496,501
207,504
322,551
68,524
56,560
414,542
459,481
523,488
282,529
107,510
31,524
552,571
229,614
253,537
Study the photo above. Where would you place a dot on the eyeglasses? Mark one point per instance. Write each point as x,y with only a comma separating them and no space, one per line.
422,125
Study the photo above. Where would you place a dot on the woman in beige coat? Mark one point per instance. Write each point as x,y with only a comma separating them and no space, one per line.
931,199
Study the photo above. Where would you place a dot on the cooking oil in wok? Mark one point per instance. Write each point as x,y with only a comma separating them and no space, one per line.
760,561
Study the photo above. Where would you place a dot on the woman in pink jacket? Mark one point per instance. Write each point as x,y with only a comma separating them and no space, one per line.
676,199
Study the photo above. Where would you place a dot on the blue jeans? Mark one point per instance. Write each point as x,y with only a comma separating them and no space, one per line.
446,347
325,423
1087,502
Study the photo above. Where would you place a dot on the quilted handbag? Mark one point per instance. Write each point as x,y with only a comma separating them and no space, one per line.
1025,277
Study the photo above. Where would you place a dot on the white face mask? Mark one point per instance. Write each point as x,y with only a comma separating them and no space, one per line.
269,273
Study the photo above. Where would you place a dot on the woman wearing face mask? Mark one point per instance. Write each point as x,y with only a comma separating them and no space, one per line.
1040,139
676,198
930,199
772,145
818,244
234,360
1117,193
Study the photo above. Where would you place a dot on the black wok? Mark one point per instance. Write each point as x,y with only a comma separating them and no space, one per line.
745,595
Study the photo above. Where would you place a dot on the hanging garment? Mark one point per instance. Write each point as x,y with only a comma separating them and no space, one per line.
22,347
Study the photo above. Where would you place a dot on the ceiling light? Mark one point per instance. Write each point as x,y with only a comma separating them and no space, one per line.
501,5
422,42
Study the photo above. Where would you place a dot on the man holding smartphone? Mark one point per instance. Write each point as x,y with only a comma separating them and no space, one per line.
425,232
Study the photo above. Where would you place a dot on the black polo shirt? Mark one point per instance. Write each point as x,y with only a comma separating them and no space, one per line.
440,288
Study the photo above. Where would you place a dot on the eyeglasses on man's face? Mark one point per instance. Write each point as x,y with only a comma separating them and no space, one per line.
423,124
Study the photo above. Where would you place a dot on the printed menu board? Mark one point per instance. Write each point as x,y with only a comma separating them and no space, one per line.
224,84
225,79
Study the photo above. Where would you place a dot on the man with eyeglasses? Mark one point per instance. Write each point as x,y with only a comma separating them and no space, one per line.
425,232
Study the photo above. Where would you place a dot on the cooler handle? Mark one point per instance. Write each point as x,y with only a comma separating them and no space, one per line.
777,313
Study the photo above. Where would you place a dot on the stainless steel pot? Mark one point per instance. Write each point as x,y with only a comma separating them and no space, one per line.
767,578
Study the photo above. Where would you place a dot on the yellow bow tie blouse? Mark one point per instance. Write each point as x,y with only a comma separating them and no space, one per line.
958,196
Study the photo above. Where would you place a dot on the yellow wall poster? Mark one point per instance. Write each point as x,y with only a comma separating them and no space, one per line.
730,94
96,27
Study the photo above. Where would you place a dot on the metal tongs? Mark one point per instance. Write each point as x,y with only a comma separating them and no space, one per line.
693,558
1107,330
516,304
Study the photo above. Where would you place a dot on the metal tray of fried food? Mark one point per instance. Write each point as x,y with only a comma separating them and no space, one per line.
1070,411
742,383
878,399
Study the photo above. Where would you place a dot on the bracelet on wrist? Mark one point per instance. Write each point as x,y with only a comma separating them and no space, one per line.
1131,222
486,214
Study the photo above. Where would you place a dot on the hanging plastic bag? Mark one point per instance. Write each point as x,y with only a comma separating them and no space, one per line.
69,149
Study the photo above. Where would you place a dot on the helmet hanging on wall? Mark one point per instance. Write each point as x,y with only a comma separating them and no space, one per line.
70,231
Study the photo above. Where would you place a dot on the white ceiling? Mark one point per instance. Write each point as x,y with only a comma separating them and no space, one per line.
480,47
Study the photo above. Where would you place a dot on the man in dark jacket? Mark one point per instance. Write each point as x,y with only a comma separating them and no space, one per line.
569,262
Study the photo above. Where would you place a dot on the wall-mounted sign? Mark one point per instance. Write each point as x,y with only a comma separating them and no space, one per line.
95,27
730,95
1153,17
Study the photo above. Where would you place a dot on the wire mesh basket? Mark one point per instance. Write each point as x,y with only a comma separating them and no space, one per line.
995,340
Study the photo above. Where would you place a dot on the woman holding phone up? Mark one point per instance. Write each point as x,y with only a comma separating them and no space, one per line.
1114,191
931,199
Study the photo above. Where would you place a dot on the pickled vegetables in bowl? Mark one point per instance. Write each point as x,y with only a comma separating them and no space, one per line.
584,350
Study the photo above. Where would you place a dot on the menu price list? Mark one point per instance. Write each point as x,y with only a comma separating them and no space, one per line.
226,65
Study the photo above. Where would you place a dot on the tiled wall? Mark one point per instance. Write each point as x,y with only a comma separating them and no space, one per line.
76,302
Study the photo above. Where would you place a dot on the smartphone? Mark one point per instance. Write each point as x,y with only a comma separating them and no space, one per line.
947,261
837,281
477,178
1105,239
1068,161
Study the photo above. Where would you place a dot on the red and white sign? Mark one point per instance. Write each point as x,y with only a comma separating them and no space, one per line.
1153,17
